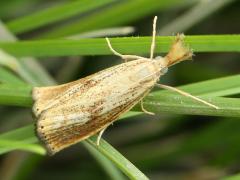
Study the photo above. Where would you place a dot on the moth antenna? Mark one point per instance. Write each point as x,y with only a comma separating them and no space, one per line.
113,50
153,45
124,57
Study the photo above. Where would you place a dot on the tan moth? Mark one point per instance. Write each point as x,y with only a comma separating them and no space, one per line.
72,112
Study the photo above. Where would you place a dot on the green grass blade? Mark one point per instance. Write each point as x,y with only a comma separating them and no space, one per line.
119,14
8,77
176,104
131,45
108,167
21,139
30,69
25,133
224,86
53,14
15,95
126,166
6,145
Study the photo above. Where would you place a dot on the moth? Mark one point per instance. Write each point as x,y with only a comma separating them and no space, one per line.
72,112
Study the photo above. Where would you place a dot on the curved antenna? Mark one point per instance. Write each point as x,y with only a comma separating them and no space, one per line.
153,45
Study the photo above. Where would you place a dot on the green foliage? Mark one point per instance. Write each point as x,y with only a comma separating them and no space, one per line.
217,138
137,45
54,14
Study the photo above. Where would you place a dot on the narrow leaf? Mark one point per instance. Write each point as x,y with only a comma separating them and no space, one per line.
131,45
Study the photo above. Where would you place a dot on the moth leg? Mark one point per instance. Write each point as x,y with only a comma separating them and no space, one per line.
100,136
186,94
124,57
144,110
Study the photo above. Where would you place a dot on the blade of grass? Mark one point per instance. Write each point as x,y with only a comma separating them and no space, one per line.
12,63
20,137
136,45
225,86
12,94
29,67
16,145
53,14
118,14
25,134
105,164
127,167
8,77
177,104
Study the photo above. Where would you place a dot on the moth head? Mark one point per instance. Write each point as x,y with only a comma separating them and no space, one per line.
178,51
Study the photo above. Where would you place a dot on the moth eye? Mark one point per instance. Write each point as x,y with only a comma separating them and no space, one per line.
158,58
42,127
164,70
